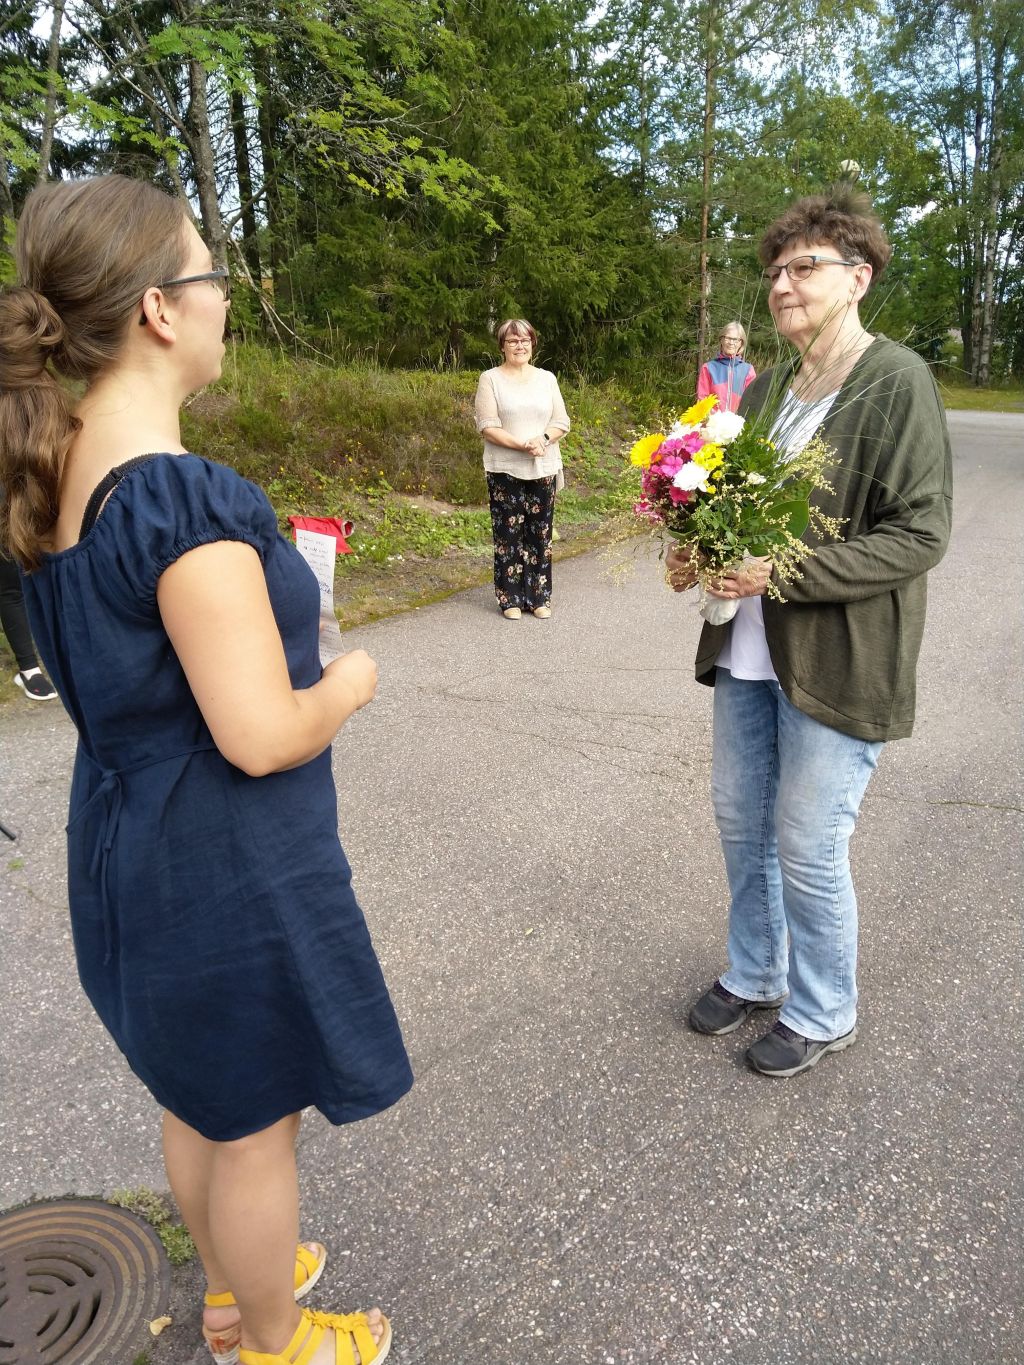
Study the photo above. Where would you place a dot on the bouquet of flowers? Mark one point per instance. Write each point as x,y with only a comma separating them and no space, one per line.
720,486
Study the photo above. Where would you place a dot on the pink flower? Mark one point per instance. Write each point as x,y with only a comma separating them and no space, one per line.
653,483
692,442
672,446
671,464
678,495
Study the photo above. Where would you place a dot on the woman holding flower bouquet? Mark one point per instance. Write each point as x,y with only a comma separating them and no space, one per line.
522,418
808,689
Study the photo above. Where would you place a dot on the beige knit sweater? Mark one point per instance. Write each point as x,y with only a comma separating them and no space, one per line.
523,410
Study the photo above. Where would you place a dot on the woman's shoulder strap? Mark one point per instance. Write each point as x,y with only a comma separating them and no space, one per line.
103,490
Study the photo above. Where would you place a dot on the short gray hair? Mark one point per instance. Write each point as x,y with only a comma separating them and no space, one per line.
739,328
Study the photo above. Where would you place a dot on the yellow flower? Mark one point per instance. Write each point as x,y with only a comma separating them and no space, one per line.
643,452
710,457
700,410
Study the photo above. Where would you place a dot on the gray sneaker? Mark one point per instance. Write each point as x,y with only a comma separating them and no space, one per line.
784,1052
718,1011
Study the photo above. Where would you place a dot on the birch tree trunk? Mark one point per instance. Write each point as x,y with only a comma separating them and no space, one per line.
995,194
50,105
707,156
977,196
197,121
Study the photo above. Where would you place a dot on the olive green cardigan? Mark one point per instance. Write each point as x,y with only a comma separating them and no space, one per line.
844,644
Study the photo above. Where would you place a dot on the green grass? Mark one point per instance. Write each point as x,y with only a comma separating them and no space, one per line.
306,431
156,1210
958,395
394,451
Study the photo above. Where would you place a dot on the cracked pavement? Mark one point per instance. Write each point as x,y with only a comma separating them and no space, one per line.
577,1179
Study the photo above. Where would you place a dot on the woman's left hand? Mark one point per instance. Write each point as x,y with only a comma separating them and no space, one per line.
750,579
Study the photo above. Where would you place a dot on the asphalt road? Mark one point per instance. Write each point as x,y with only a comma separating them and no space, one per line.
577,1179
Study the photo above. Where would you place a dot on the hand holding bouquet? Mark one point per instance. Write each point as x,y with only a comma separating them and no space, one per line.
724,490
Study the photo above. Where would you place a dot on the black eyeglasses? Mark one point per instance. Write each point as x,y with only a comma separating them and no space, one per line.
219,278
800,267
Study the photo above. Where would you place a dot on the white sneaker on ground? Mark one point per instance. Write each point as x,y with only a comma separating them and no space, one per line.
35,684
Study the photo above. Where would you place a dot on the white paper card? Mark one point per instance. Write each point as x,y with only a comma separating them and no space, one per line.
320,553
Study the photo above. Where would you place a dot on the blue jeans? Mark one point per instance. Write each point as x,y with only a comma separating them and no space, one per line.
786,792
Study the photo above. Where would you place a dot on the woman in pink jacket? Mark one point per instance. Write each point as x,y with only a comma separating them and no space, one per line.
728,374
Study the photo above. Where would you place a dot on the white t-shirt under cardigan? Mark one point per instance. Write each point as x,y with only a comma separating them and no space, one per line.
524,409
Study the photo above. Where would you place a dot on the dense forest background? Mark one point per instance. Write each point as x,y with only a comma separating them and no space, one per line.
389,178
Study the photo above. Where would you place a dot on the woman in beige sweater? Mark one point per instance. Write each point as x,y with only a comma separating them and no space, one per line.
522,418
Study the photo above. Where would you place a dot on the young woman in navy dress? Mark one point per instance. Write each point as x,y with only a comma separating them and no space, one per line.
215,928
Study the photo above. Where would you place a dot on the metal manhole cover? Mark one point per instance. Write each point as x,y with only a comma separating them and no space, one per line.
79,1279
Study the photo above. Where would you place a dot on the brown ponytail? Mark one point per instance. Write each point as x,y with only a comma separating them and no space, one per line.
87,251
36,423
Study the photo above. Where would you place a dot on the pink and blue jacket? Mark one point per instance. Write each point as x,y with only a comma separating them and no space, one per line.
726,376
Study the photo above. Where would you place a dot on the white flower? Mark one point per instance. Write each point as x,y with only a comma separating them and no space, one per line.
756,478
690,476
723,427
679,429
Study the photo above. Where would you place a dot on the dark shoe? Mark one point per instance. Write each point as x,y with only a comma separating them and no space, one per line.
782,1052
36,685
718,1011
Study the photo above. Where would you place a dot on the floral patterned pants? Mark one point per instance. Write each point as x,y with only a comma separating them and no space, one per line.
522,511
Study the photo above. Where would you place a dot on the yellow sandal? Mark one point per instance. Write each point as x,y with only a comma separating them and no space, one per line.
224,1343
351,1332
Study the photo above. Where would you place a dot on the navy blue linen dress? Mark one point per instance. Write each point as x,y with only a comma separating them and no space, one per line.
214,923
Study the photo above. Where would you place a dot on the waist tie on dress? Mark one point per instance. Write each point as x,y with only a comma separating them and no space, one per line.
99,864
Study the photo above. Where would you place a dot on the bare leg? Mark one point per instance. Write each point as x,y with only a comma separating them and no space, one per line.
240,1201
189,1159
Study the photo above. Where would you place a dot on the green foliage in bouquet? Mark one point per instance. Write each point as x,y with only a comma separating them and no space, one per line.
721,487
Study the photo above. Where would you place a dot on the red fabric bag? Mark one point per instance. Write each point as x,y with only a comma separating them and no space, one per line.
326,526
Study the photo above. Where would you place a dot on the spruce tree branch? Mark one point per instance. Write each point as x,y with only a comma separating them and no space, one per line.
117,69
